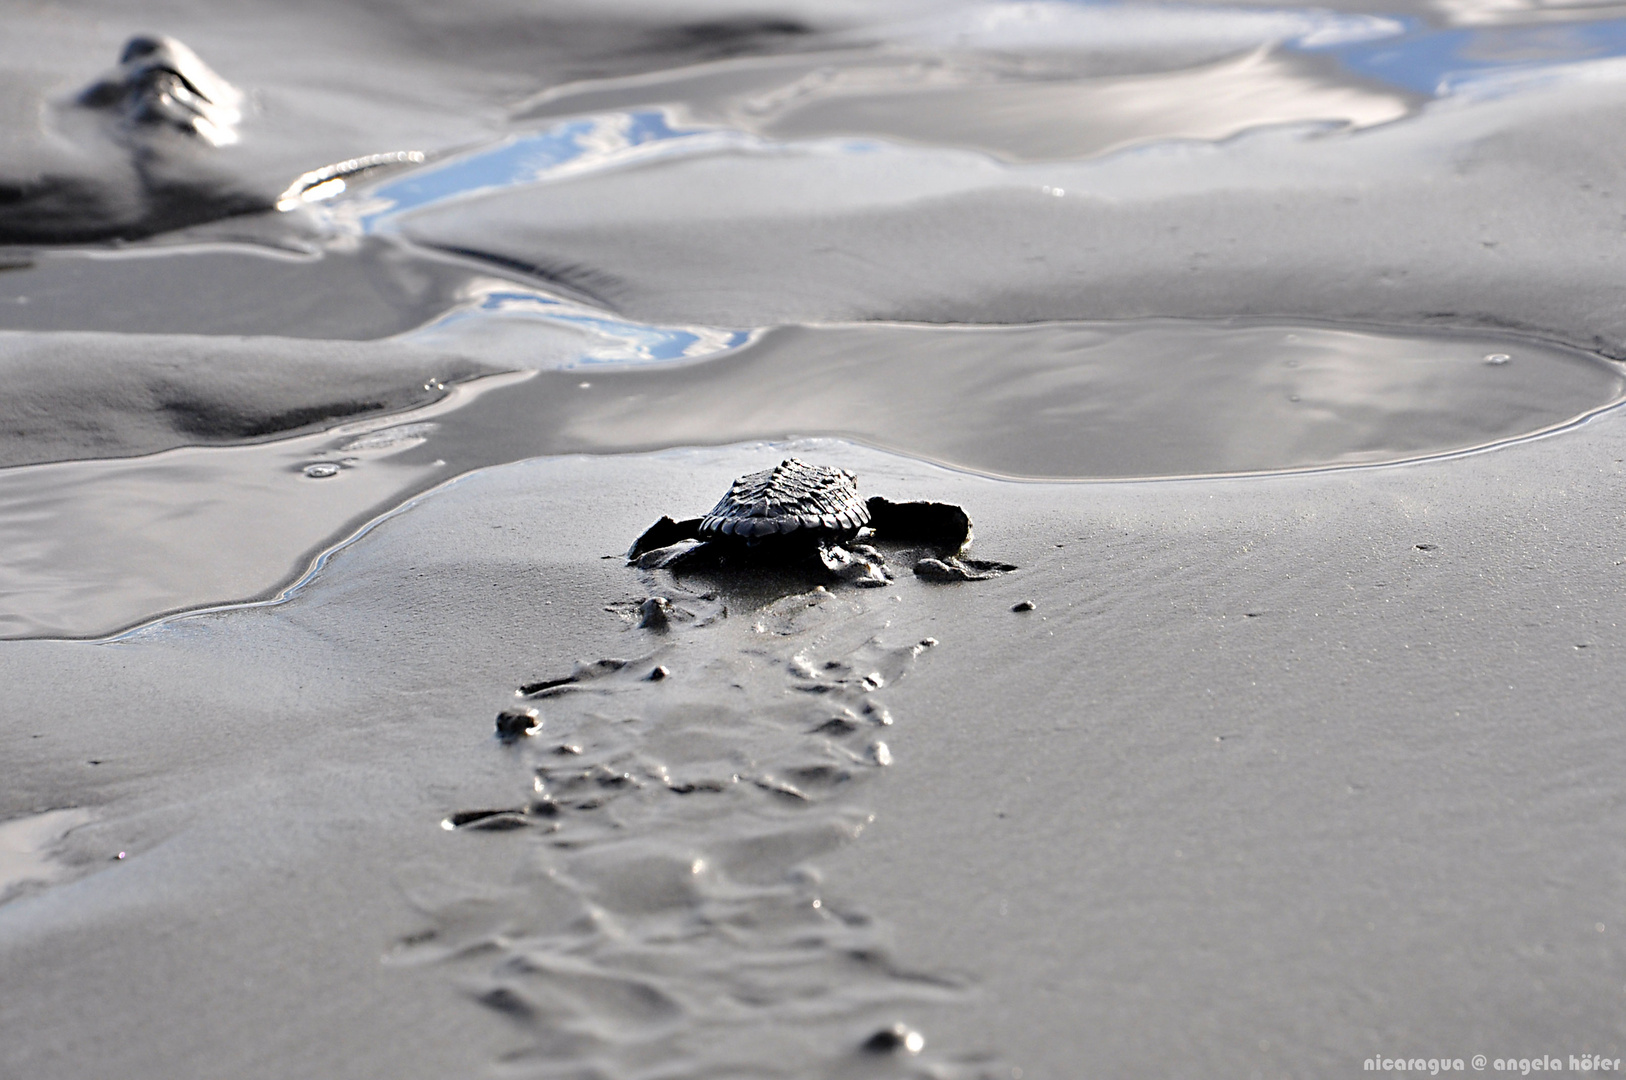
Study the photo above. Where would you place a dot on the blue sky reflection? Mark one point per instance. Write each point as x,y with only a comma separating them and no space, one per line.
1439,62
613,340
589,142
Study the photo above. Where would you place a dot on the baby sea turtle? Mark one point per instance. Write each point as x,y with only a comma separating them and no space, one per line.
801,513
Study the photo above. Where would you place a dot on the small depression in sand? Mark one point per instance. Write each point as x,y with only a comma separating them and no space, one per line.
96,546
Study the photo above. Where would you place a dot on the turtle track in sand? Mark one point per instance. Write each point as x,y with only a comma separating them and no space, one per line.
678,800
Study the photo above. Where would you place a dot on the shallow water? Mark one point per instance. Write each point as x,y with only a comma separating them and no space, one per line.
1092,400
1029,241
93,547
1012,110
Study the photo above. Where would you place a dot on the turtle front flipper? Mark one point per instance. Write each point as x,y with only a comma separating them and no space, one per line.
942,526
664,533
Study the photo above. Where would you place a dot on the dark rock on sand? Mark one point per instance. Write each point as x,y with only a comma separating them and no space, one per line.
516,723
899,1038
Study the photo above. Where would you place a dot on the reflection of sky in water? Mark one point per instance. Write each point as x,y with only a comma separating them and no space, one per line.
1401,52
1109,25
1439,62
618,340
574,146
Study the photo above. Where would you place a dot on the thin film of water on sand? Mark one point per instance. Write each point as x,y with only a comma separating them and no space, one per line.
97,546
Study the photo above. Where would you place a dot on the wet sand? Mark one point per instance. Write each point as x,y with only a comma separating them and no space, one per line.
1276,349
1312,762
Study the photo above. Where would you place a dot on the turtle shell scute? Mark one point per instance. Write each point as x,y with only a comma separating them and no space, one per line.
792,496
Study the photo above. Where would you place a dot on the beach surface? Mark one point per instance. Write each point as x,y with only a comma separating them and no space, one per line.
1275,353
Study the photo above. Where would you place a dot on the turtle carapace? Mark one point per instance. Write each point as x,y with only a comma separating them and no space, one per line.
796,512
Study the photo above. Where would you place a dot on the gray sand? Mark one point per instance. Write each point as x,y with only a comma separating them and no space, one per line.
90,395
1259,784
1277,773
178,513
371,290
1430,220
